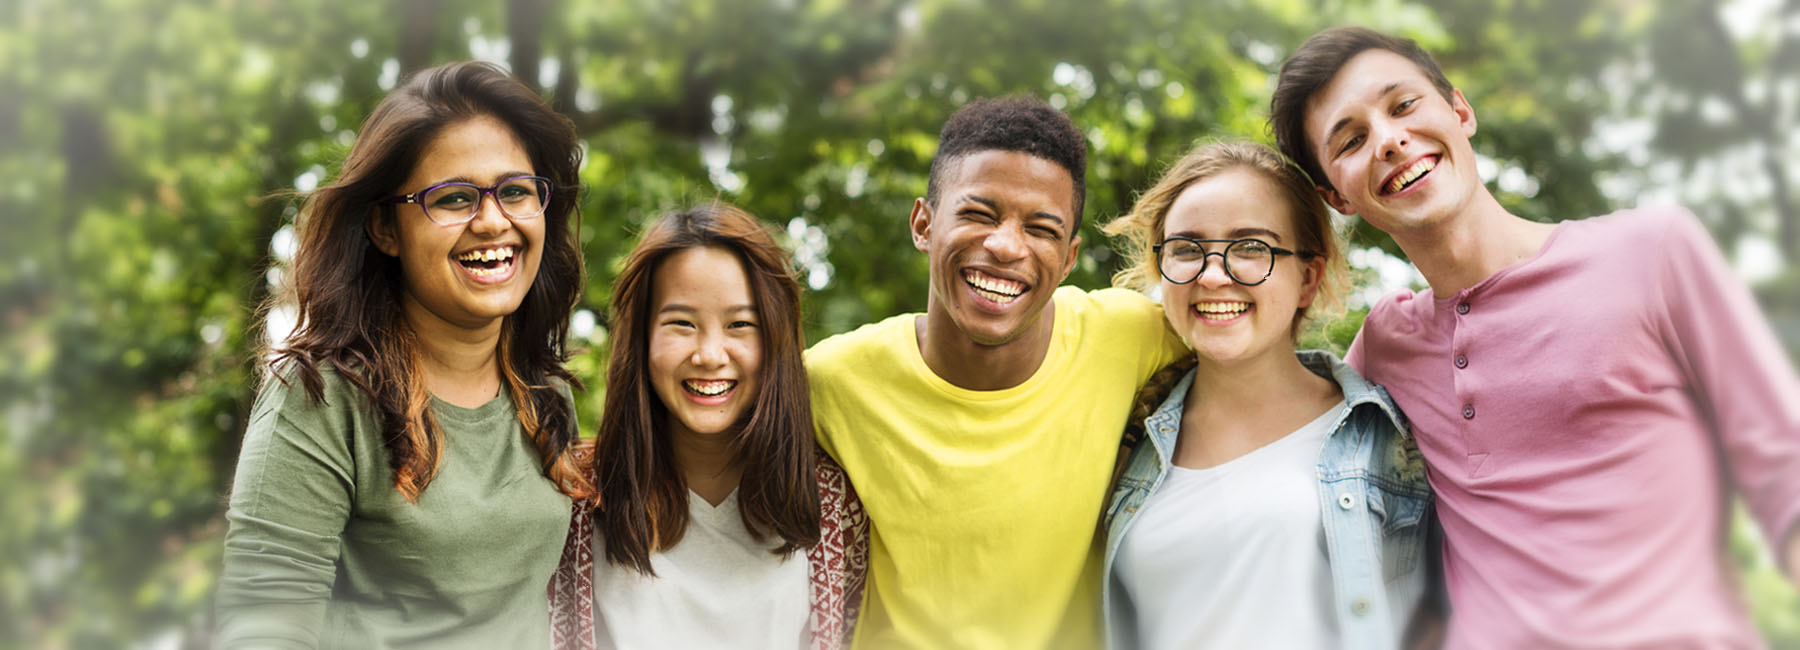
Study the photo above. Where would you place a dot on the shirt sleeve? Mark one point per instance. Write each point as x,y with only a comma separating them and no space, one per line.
1740,373
289,503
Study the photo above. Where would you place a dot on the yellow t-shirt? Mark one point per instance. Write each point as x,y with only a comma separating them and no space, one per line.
984,504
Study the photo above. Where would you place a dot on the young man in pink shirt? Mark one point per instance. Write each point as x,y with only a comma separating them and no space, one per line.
1588,395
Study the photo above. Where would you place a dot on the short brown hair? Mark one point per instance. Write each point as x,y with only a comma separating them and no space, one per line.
1314,233
1313,66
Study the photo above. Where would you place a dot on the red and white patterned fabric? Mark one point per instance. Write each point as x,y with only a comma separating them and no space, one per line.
839,566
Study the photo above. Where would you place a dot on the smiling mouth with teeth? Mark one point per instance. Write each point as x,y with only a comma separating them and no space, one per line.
992,288
708,387
1413,173
487,262
1221,311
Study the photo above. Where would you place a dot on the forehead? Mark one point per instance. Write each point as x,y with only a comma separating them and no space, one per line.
1359,84
700,277
1011,176
479,149
1224,203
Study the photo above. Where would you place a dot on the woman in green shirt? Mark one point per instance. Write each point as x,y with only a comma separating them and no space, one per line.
407,475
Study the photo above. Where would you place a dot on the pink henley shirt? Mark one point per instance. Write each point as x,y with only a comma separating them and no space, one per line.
1585,415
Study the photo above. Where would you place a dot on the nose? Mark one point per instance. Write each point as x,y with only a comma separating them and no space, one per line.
709,351
489,219
1005,242
1213,274
1390,140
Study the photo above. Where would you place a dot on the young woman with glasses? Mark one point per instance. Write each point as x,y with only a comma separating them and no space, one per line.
1267,497
407,476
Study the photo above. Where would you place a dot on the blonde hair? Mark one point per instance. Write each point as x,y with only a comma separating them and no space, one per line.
1142,228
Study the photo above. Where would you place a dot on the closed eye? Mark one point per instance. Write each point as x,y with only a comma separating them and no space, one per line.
1045,232
977,215
1405,106
1351,143
737,324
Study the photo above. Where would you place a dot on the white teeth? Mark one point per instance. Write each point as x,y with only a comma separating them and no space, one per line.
708,387
1221,310
486,255
995,289
1412,173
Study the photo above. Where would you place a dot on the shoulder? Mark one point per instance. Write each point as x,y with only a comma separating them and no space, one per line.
1631,231
1397,313
284,391
885,337
1113,302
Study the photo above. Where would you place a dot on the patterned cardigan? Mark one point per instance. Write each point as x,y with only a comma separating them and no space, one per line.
839,565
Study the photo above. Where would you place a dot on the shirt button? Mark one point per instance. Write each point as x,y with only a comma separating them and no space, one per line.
1469,412
1462,361
1346,501
1462,308
1359,606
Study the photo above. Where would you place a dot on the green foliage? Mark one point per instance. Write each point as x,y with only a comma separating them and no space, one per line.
144,147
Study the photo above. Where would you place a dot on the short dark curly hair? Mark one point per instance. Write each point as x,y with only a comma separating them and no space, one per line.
1311,69
1024,124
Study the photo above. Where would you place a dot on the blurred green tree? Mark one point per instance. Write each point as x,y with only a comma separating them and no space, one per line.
146,149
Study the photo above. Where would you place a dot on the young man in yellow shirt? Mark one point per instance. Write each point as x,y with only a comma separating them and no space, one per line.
981,434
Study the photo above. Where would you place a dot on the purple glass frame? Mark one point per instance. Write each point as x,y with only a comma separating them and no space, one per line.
481,194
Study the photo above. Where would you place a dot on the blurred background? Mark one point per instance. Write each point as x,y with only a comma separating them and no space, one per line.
144,145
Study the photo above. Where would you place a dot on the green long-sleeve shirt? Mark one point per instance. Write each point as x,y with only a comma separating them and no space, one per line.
323,552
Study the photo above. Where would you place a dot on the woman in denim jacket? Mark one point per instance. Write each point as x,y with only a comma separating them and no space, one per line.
1267,497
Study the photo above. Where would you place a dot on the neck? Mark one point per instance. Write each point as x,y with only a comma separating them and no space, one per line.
1270,383
707,463
957,359
460,364
1463,252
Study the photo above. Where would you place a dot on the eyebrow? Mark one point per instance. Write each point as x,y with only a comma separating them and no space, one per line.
471,180
683,308
1241,233
1339,126
995,205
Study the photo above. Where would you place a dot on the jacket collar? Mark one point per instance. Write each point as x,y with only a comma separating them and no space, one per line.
1164,424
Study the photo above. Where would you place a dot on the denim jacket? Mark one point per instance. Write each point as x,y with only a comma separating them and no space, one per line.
1372,495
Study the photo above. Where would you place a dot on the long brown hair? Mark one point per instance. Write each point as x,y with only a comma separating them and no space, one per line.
347,293
643,499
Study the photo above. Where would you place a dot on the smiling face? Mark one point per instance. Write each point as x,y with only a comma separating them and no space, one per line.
705,340
1395,150
1000,240
1222,320
471,275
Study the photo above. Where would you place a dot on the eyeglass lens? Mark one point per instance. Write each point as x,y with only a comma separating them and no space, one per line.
1247,261
519,198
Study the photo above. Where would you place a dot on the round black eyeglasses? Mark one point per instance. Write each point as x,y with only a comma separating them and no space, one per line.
1248,262
455,203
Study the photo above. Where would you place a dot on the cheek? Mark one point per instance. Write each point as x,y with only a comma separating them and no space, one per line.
666,354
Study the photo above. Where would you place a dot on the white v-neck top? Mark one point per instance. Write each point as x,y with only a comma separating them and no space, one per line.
718,588
1233,556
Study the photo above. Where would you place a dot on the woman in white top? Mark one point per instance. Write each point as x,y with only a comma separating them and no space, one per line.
708,476
1270,498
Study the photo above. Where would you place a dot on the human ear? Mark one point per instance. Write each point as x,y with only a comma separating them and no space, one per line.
1465,114
1335,200
1312,274
920,223
381,232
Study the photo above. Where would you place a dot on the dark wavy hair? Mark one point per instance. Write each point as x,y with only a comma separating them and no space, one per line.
643,504
1021,124
347,293
1311,69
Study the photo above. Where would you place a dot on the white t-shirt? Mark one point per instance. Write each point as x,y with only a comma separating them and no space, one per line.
1233,556
718,588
